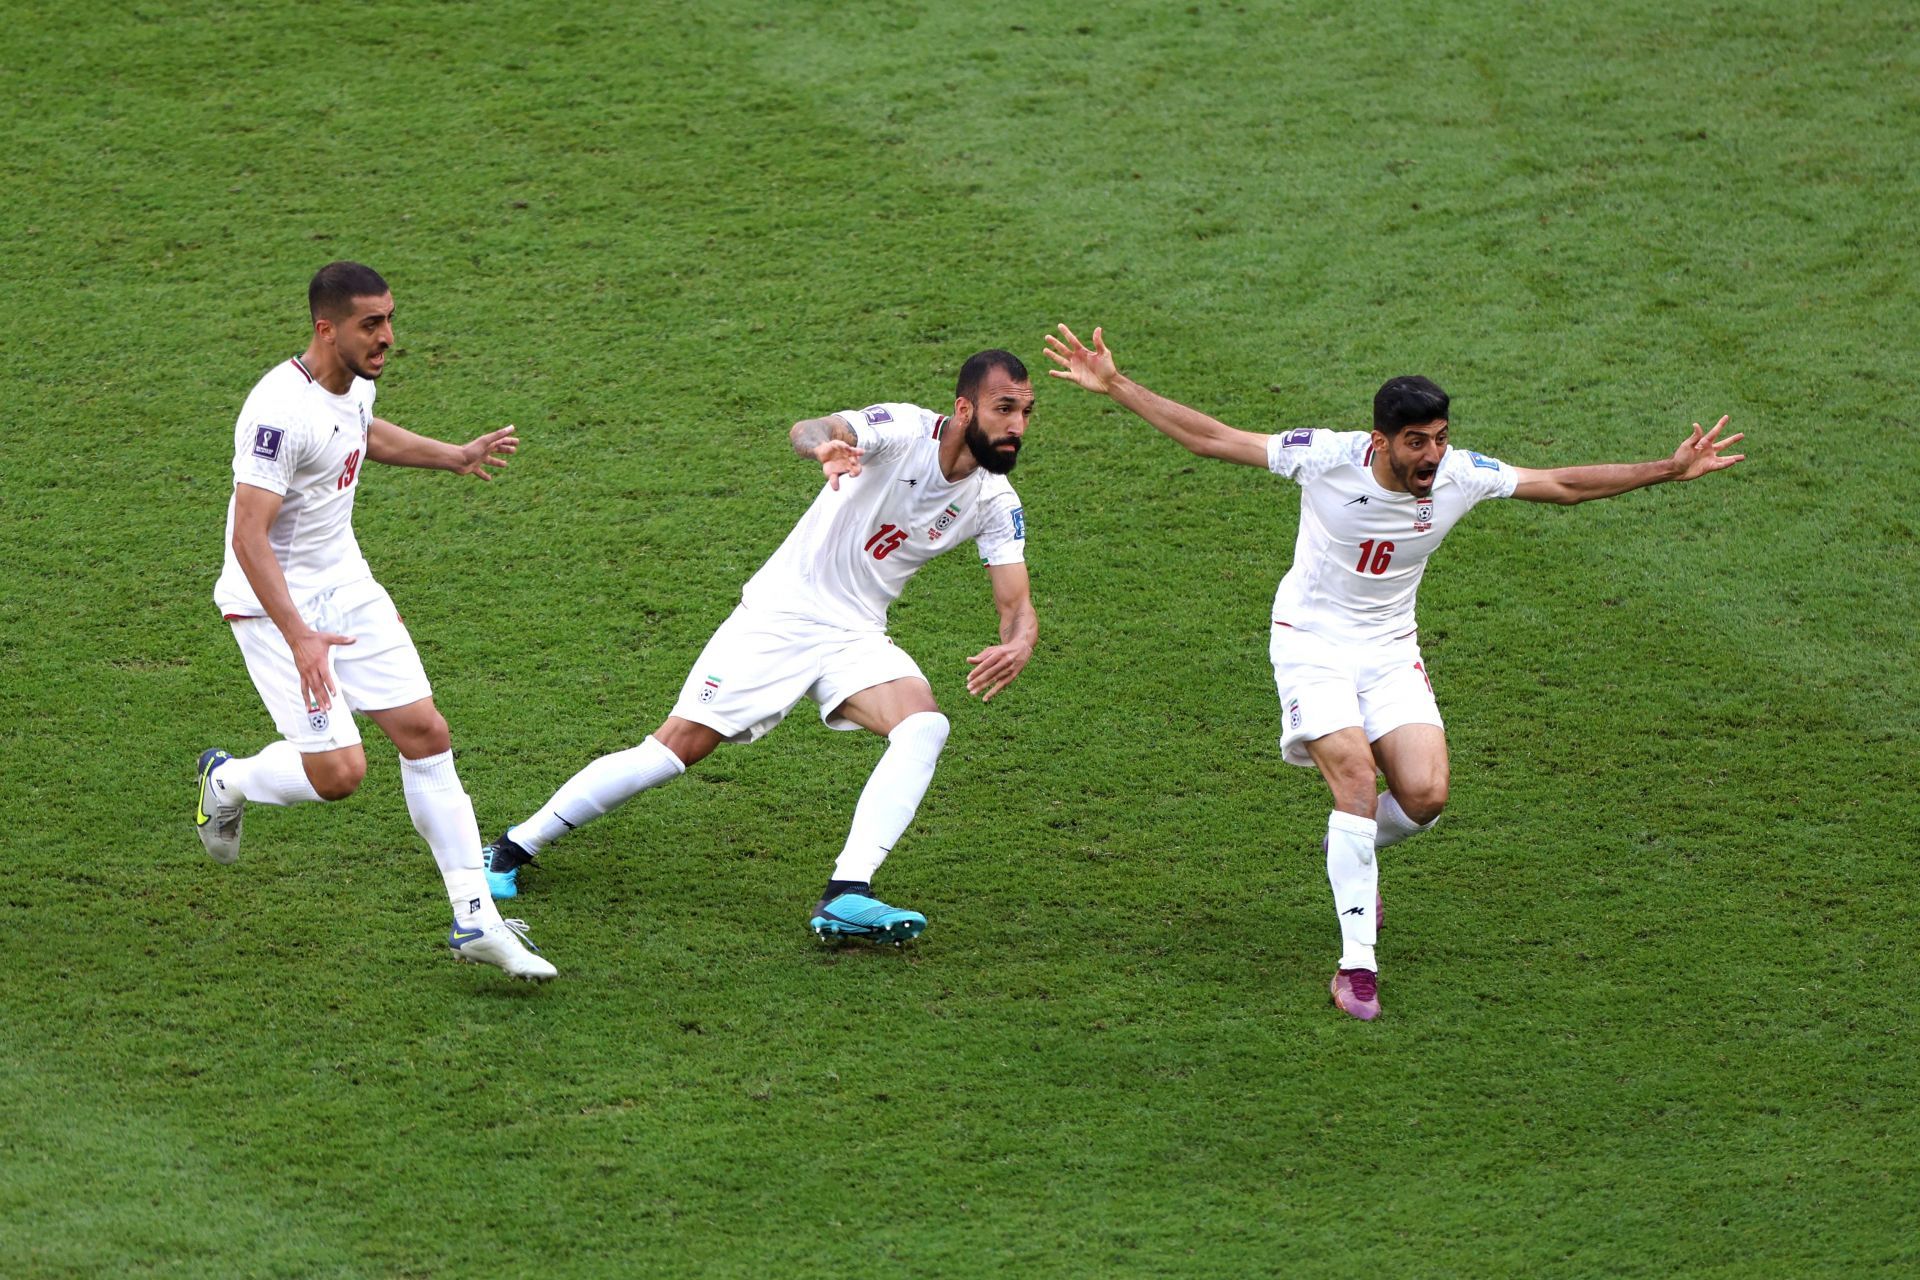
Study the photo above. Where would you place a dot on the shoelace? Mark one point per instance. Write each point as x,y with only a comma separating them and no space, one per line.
1365,983
519,928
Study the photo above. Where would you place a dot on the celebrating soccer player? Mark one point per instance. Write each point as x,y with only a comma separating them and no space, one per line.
903,485
1355,698
321,638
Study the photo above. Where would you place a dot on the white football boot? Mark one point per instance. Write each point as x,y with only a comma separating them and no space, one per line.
215,815
504,945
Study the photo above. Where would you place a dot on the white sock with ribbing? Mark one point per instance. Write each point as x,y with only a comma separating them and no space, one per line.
604,785
1393,823
275,776
893,794
443,815
1354,873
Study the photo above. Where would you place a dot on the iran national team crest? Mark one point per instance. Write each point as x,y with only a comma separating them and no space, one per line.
1423,515
708,688
1293,713
944,523
317,721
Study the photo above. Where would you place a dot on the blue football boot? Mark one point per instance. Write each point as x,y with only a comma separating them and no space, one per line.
856,915
502,861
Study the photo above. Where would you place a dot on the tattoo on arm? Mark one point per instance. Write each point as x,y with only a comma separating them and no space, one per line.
814,432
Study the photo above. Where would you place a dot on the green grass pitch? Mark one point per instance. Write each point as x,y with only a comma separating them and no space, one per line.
1650,986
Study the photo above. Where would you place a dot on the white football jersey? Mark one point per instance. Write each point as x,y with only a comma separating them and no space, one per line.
852,553
306,444
1362,548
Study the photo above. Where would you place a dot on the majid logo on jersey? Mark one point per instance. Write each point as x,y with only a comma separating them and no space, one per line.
944,523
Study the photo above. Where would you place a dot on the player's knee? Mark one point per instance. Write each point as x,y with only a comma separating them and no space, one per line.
424,735
1353,791
337,779
1425,802
690,743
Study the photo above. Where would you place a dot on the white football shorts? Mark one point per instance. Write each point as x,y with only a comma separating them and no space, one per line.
1328,685
759,664
377,672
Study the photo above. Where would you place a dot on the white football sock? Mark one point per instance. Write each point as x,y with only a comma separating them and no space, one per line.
1354,873
443,815
275,776
606,784
892,795
1393,823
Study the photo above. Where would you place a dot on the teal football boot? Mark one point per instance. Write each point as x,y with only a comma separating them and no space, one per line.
856,915
502,861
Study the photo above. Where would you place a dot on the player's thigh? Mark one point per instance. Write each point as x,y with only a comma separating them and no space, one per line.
1395,693
1413,759
867,681
883,706
381,670
270,666
1318,695
749,675
1346,762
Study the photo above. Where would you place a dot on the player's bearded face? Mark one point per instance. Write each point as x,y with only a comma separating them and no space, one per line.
1413,456
995,454
362,337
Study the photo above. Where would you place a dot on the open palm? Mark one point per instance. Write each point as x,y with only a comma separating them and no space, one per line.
1093,368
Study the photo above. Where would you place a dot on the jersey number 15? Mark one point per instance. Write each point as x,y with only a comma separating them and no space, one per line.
883,542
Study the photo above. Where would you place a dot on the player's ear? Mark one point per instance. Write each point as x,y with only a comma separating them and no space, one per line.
962,412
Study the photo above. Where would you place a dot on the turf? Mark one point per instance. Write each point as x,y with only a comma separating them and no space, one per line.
1650,985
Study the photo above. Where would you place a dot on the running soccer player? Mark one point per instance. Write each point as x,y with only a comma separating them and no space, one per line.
320,636
903,485
1355,697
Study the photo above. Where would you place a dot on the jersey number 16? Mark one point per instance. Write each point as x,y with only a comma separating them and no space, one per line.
1381,555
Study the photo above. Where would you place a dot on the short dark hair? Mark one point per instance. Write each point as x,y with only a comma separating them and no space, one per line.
980,364
337,284
1407,402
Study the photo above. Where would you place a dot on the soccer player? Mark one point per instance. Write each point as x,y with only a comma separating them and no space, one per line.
1354,694
321,638
903,484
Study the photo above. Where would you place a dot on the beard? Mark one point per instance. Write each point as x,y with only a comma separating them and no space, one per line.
1410,480
987,454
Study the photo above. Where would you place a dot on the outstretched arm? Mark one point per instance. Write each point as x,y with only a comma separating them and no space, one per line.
830,442
398,447
1096,371
1697,455
995,667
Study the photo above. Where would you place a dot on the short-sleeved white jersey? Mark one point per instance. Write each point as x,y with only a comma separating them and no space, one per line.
1362,548
306,444
852,553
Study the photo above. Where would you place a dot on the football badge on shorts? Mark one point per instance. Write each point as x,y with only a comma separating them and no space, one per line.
1293,713
317,721
708,688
